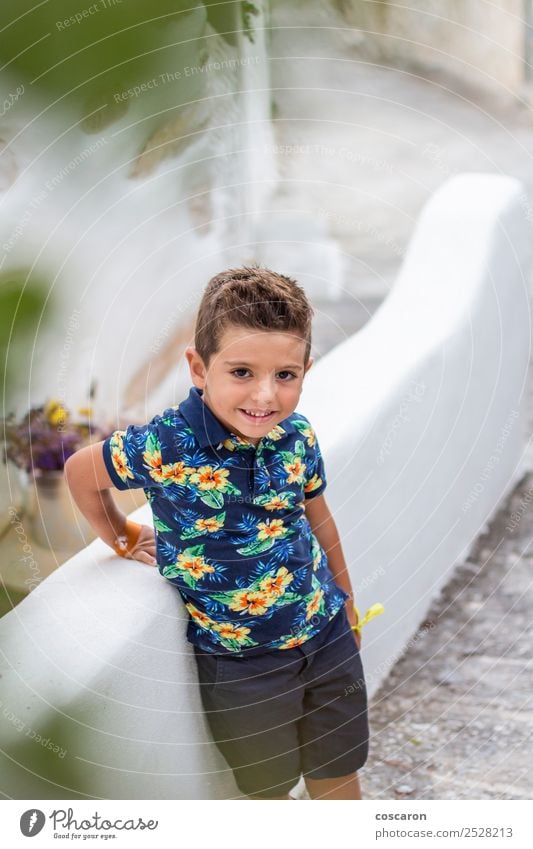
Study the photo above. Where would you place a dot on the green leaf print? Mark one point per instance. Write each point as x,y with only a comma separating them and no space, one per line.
160,526
194,551
152,444
287,598
257,547
213,498
299,448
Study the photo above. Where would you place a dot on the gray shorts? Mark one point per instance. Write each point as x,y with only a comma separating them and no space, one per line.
278,715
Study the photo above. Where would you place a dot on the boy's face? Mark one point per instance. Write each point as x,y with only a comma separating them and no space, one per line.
254,371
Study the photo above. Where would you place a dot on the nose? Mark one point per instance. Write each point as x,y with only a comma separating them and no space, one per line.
263,392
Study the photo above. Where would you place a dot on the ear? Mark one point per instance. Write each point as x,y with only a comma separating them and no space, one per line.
309,364
196,367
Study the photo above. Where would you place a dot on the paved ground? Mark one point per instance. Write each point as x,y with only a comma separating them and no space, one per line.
368,145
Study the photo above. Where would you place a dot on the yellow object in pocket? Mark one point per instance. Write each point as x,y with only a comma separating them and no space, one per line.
373,610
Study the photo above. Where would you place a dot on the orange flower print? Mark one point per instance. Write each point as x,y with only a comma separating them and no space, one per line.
195,566
210,525
228,631
174,473
120,463
254,603
314,604
276,585
271,530
207,478
313,483
296,471
310,434
276,503
200,618
234,442
154,462
294,641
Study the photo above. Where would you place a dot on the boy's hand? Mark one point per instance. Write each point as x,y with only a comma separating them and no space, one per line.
144,550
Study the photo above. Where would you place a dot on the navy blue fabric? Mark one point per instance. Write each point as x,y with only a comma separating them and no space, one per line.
230,524
278,715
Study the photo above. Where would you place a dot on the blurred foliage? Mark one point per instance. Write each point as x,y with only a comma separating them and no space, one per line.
40,759
72,47
22,300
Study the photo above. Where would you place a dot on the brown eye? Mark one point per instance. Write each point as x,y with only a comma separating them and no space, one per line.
289,373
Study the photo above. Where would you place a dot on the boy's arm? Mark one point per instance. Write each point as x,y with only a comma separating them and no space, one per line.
89,483
324,528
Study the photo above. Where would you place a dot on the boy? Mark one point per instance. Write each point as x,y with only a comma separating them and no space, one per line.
235,479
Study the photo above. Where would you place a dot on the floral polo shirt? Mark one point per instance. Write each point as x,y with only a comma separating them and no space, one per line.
230,525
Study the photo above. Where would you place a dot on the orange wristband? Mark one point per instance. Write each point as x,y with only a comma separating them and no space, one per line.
126,542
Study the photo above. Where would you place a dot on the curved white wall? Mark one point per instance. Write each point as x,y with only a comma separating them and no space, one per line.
416,418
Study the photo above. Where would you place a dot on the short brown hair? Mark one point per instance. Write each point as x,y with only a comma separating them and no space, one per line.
251,297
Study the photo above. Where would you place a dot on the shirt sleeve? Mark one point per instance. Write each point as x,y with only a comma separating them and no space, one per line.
315,472
133,456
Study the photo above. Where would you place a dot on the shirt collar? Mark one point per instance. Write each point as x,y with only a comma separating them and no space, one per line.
207,429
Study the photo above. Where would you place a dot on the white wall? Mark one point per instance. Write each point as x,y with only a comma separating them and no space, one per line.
415,418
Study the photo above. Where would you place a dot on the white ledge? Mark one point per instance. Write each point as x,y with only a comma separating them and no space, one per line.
414,474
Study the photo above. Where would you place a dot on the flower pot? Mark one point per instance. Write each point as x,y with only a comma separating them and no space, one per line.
54,521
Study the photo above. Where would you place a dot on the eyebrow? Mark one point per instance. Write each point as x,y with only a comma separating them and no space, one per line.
247,365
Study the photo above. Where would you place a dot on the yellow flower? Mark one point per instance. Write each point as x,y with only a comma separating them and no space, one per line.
271,530
255,603
200,618
313,483
56,413
154,460
175,472
314,604
210,525
196,566
276,585
207,478
86,412
120,462
296,471
276,503
294,641
310,434
276,433
229,631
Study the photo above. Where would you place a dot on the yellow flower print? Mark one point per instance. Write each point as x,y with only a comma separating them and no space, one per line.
271,530
175,473
313,483
234,442
310,434
200,618
276,585
276,433
296,471
276,503
210,525
207,478
195,566
292,642
154,461
228,631
120,462
255,603
314,604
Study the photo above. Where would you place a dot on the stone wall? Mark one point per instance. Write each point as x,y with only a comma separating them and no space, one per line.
482,43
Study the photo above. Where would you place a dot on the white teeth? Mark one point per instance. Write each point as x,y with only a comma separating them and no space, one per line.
258,415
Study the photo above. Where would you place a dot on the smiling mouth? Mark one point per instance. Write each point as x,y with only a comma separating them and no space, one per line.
258,416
